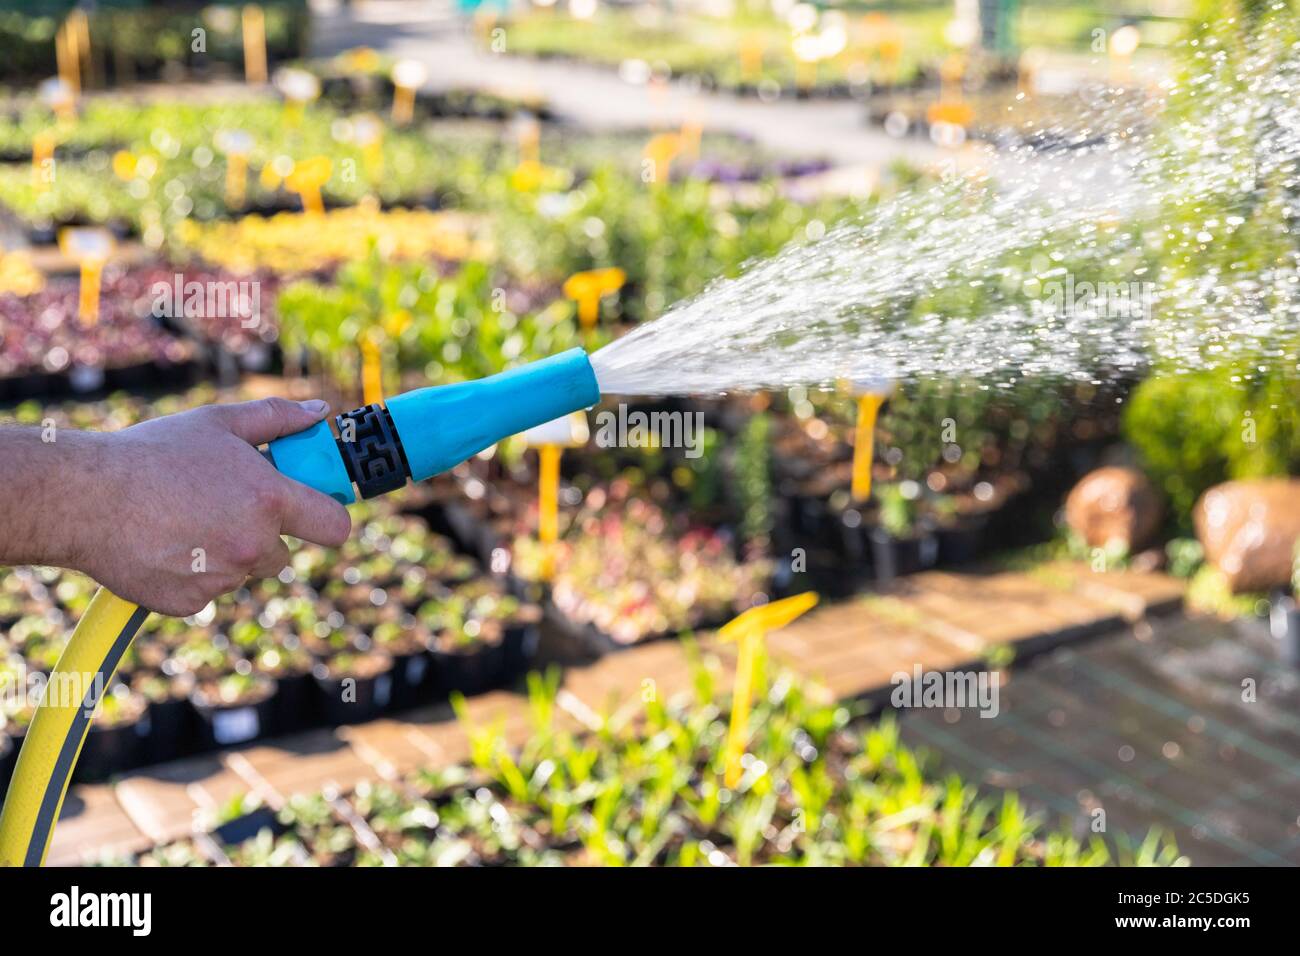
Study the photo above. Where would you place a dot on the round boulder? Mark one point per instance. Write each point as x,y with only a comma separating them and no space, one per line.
1249,531
1114,504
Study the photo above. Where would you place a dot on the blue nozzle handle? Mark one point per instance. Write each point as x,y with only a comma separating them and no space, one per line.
313,457
432,429
442,426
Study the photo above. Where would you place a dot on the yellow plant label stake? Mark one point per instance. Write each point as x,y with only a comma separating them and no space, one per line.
660,153
407,76
307,179
359,60
530,139
368,133
864,444
528,175
236,144
236,179
298,87
550,439
691,134
90,248
952,107
254,24
372,367
42,160
748,631
588,288
548,503
751,58
79,30
68,57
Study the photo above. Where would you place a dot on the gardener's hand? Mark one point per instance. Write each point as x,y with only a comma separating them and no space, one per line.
170,513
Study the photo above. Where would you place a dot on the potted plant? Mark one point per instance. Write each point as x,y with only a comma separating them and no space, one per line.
396,819
16,714
268,849
902,541
115,741
234,708
313,820
469,657
477,635
518,621
279,655
354,681
959,531
204,655
631,573
8,757
171,717
406,642
191,852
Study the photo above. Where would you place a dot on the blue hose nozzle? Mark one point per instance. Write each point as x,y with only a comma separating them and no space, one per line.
421,433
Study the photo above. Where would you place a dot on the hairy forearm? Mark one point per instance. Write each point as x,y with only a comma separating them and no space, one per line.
169,513
51,485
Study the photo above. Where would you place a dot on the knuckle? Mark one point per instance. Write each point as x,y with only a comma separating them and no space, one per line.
263,410
244,554
266,499
280,409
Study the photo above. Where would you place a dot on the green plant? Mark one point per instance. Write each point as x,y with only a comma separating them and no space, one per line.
446,327
1196,429
1209,593
753,479
1184,557
899,508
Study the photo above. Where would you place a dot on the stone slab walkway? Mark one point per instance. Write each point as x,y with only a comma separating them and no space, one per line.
1192,726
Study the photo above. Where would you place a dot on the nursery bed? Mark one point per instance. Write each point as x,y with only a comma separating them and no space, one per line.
850,645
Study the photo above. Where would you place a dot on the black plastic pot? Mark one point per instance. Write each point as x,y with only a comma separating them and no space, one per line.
295,702
248,826
227,725
470,670
808,516
358,700
170,730
110,750
412,678
463,525
962,541
8,757
1284,624
893,557
521,641
851,537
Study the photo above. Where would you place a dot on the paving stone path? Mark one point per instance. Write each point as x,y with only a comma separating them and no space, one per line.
1191,725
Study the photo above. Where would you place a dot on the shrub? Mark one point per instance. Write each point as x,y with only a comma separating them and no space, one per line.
1197,429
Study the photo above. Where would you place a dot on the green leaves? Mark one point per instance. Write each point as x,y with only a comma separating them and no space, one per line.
818,790
1196,429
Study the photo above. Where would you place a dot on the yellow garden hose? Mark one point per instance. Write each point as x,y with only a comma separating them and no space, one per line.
58,729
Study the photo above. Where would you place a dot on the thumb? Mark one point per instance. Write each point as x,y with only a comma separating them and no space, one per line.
269,418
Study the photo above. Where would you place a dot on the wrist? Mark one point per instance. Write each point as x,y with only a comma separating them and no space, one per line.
88,487
53,485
